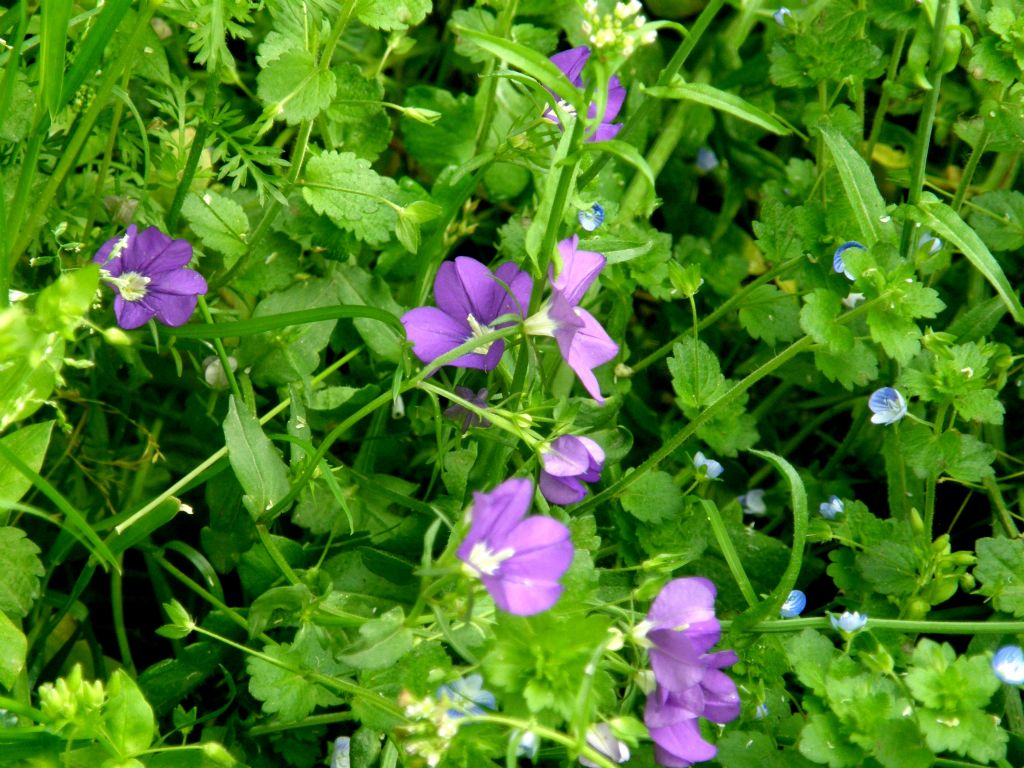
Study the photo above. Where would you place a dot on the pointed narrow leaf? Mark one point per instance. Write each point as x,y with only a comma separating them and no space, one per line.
945,223
258,466
858,183
53,43
730,103
626,152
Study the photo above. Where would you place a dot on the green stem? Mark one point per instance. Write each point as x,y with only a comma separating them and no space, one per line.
972,165
669,134
195,151
897,625
670,71
724,308
1002,512
200,590
932,480
6,94
545,733
117,611
886,97
276,556
729,552
221,352
489,83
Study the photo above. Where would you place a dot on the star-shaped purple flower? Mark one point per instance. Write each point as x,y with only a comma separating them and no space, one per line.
671,718
567,461
571,63
469,299
582,340
147,271
519,559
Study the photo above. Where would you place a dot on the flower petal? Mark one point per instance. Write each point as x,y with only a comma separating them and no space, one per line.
152,251
579,270
172,309
183,282
521,286
561,490
131,314
585,349
681,745
493,515
571,62
466,287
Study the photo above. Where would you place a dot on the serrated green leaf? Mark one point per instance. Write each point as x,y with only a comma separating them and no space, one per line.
283,688
899,337
257,464
769,314
696,376
818,320
351,194
13,650
653,498
294,87
810,654
220,223
998,218
1000,570
20,571
392,14
852,369
382,642
724,101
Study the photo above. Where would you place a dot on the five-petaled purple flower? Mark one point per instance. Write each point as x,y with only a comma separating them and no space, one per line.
582,340
566,462
147,270
469,299
571,63
519,559
690,683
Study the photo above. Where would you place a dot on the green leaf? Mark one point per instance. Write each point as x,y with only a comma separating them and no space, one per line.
257,464
859,185
449,141
535,38
351,194
899,337
63,305
854,368
818,320
1000,570
356,286
696,376
625,152
946,224
20,570
392,14
13,650
998,218
220,223
283,687
727,102
824,741
769,314
28,444
295,87
653,498
811,654
53,42
382,642
127,716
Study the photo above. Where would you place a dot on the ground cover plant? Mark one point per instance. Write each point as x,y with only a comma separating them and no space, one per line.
393,383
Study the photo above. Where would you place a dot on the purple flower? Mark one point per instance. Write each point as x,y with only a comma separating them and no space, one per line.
706,160
584,344
571,63
469,298
567,461
467,417
671,718
838,265
519,559
147,270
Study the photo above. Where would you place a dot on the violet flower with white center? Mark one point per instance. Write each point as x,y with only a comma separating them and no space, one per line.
469,299
795,603
838,265
849,623
566,462
829,509
753,502
887,406
571,63
147,270
601,738
712,468
466,696
584,344
591,218
467,417
519,559
1008,665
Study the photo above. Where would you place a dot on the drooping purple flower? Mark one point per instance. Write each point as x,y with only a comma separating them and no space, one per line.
752,501
566,462
519,559
582,340
571,63
464,416
469,299
147,271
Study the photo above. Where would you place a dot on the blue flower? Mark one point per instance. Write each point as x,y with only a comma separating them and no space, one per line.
887,405
591,219
780,16
753,502
761,712
527,743
1008,665
712,468
601,739
794,605
466,696
341,758
930,241
848,623
706,160
838,265
829,509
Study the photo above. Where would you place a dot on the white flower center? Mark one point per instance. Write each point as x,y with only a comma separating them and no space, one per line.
478,332
485,560
132,286
541,324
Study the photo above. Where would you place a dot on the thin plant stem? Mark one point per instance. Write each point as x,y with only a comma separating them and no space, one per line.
195,151
117,611
886,97
972,165
907,626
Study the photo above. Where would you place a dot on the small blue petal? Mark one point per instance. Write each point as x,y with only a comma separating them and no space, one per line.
829,509
342,753
838,265
780,16
467,696
707,160
848,622
930,241
1008,665
887,405
712,468
761,712
753,502
794,605
592,219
